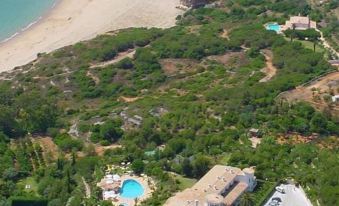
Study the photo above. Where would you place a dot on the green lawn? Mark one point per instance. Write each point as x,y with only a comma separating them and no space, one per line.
29,181
309,45
224,158
184,182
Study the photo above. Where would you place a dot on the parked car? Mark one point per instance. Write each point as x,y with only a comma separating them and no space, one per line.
280,189
274,203
278,199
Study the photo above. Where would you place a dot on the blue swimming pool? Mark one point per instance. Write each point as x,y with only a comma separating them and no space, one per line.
131,189
273,27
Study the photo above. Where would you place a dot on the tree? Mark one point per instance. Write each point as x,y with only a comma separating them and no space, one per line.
106,203
318,123
111,131
187,167
293,32
247,199
35,113
138,166
201,166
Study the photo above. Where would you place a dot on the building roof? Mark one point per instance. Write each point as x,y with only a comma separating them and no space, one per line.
215,199
300,22
300,19
235,193
210,187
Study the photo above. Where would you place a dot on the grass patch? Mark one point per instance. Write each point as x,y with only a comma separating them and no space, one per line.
184,182
309,45
224,158
33,185
262,191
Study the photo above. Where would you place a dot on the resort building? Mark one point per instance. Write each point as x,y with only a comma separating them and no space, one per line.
299,23
221,186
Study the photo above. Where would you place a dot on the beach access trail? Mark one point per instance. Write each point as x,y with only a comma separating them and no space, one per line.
71,21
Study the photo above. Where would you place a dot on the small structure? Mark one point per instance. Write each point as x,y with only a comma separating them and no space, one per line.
158,112
130,122
221,186
135,120
253,132
110,186
193,3
299,23
335,98
334,62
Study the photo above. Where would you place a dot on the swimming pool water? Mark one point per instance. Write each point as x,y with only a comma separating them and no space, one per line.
273,27
131,189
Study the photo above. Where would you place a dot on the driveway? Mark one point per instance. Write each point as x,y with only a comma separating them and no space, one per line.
293,196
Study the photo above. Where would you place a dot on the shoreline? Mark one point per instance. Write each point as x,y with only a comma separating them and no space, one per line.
31,24
72,21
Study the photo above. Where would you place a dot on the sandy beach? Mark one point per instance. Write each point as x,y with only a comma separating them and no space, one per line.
71,21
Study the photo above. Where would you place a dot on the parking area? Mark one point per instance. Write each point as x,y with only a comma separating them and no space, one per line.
292,196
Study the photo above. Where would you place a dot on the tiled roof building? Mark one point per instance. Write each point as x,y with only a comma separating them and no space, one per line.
221,186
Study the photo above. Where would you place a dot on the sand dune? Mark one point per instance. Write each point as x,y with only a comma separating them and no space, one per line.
72,21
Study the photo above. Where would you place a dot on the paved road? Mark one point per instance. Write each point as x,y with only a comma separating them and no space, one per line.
293,196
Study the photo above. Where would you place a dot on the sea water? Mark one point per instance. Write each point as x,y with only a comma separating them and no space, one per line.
17,16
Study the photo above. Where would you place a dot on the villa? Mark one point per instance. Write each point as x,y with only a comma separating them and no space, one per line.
221,186
299,23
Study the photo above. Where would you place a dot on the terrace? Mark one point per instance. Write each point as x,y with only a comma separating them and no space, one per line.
125,188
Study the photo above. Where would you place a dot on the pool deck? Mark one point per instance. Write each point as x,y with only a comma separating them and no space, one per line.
146,183
267,27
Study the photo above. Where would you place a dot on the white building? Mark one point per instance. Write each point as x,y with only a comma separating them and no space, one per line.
221,186
335,98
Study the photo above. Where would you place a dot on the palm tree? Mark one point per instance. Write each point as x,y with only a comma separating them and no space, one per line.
247,199
293,31
136,200
315,41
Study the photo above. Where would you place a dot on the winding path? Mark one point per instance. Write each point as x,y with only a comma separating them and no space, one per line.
87,188
327,45
270,70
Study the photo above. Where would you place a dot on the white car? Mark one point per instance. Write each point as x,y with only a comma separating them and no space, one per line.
280,189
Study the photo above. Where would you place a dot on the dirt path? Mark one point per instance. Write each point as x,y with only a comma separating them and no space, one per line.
87,188
49,148
270,70
100,150
327,45
225,34
92,76
128,99
130,54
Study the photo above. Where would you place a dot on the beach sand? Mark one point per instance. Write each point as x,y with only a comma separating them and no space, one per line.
72,21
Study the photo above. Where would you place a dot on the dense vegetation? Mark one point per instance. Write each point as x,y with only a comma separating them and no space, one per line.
208,107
